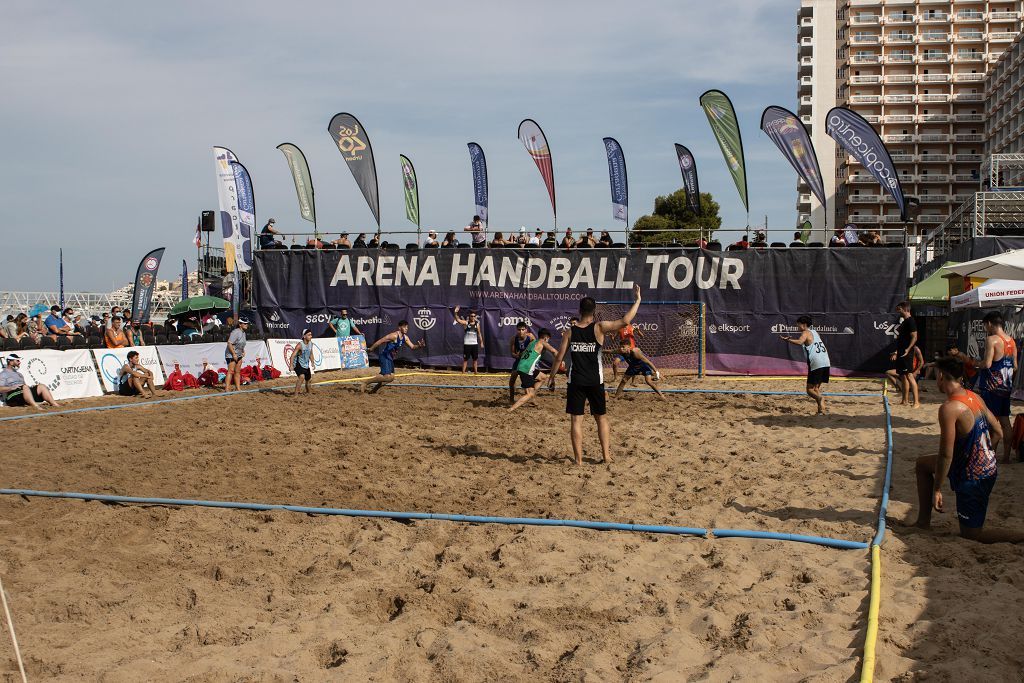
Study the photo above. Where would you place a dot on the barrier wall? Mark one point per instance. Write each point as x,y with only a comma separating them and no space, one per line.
110,361
67,374
751,297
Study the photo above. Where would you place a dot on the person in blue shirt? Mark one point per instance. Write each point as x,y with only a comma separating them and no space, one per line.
390,345
818,362
56,325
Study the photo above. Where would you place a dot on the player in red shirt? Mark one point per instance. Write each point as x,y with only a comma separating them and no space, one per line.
627,335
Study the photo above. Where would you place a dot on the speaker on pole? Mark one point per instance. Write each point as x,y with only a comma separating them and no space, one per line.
206,221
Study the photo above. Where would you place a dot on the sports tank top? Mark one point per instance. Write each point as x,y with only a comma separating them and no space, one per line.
391,347
998,379
521,344
973,455
472,336
585,354
116,338
817,354
304,352
528,363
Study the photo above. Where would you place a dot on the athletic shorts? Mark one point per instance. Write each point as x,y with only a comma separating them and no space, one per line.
577,397
126,388
999,404
816,377
646,371
528,380
228,360
16,398
387,365
972,501
904,364
302,372
470,351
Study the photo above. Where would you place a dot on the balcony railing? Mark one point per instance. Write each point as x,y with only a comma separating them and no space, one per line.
900,78
807,41
866,218
934,158
934,118
900,19
966,178
865,80
904,158
872,118
864,38
966,118
934,198
900,99
933,97
968,15
1001,37
865,99
933,137
961,57
968,97
806,100
806,61
900,118
961,198
969,37
968,137
862,178
937,17
933,57
899,59
967,157
865,59
864,19
1003,16
899,38
935,78
934,37
899,138
806,81
930,219
933,178
968,78
864,198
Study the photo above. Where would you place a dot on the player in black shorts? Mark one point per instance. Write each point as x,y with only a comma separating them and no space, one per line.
520,341
582,342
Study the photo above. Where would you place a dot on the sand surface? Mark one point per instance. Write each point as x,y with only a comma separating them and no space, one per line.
123,593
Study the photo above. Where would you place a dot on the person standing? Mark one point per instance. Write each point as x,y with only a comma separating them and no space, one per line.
818,362
301,363
903,357
519,343
478,231
343,326
582,342
997,367
472,339
234,353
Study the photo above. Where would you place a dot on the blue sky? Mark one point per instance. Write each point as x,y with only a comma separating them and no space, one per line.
110,111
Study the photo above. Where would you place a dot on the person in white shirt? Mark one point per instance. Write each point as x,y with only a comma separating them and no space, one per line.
431,240
479,232
473,339
537,237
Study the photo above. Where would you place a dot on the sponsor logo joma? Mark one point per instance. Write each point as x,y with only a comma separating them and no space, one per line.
513,320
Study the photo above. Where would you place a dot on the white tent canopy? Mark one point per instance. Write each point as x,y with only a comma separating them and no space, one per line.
990,294
1008,265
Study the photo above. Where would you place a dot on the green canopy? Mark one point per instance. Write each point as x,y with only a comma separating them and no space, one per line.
933,290
200,303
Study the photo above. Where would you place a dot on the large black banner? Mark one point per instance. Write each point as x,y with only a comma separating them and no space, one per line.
751,297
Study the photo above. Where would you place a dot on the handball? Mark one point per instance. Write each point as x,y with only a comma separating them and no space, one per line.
561,368
656,377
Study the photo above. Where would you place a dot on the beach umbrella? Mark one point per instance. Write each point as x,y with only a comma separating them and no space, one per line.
1008,265
199,304
37,309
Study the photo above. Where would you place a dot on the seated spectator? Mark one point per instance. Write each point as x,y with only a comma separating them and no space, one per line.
189,327
702,243
135,334
606,239
588,239
522,239
81,324
170,326
314,243
55,325
375,242
874,238
449,240
19,329
360,242
537,238
838,238
431,240
133,378
114,310
36,328
115,337
342,241
797,239
9,328
550,241
499,240
104,323
267,240
744,243
17,392
568,242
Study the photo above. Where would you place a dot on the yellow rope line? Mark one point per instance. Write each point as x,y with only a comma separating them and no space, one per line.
867,671
791,378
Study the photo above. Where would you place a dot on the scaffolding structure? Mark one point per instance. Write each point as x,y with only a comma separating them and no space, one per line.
87,303
994,213
1004,171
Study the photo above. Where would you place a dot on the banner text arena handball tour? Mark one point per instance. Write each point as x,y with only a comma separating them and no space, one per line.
749,297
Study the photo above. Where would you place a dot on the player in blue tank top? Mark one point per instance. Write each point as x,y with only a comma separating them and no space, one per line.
389,345
818,362
969,434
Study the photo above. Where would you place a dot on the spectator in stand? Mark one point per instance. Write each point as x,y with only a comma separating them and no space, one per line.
267,240
499,240
838,238
56,325
450,241
20,327
17,392
797,239
115,337
360,242
605,240
314,243
342,241
375,242
568,242
104,323
170,326
234,354
11,327
36,329
114,310
550,242
431,240
744,243
135,334
133,378
537,238
190,327
523,239
588,239
874,238
81,325
702,243
343,326
479,232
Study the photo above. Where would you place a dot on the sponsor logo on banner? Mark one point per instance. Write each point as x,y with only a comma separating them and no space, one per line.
514,320
687,329
146,279
67,374
424,319
273,321
561,322
382,319
727,327
685,163
350,144
646,327
889,329
786,328
151,263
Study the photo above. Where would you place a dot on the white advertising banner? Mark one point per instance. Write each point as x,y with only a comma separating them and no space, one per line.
191,357
227,200
67,374
256,350
110,361
326,354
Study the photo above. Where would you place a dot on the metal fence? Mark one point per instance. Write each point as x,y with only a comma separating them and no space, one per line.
985,214
86,303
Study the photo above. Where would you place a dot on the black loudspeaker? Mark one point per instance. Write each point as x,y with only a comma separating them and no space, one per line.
206,221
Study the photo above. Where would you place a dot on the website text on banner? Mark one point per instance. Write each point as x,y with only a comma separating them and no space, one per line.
67,374
749,296
110,361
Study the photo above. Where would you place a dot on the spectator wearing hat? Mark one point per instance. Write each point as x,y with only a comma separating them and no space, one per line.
342,241
133,378
56,325
301,362
235,353
431,240
17,392
115,337
267,240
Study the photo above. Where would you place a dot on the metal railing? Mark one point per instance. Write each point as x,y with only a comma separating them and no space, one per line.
86,303
985,213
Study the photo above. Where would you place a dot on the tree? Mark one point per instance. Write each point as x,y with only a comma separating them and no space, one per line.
673,222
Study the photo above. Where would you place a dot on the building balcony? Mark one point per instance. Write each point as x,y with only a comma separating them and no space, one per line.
962,197
862,178
865,218
899,118
865,59
806,22
933,137
937,18
965,178
1003,16
899,19
930,219
893,218
872,118
899,59
806,62
806,82
864,20
968,78
967,118
864,199
969,37
806,101
969,57
934,198
899,138
899,78
933,2
969,16
934,118
934,159
968,97
804,199
865,39
933,178
865,80
968,137
807,41
935,58
900,99
934,38
967,157
865,99
806,120
934,78
899,39
933,97
1001,37
903,158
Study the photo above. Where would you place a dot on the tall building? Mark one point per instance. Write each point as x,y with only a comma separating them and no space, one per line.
1004,125
916,70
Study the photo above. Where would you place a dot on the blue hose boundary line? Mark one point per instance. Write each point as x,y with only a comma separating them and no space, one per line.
644,391
884,507
470,519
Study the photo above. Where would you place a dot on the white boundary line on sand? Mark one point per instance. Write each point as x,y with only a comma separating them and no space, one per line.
14,638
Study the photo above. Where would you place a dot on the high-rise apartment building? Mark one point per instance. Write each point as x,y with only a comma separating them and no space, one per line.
916,70
1004,125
